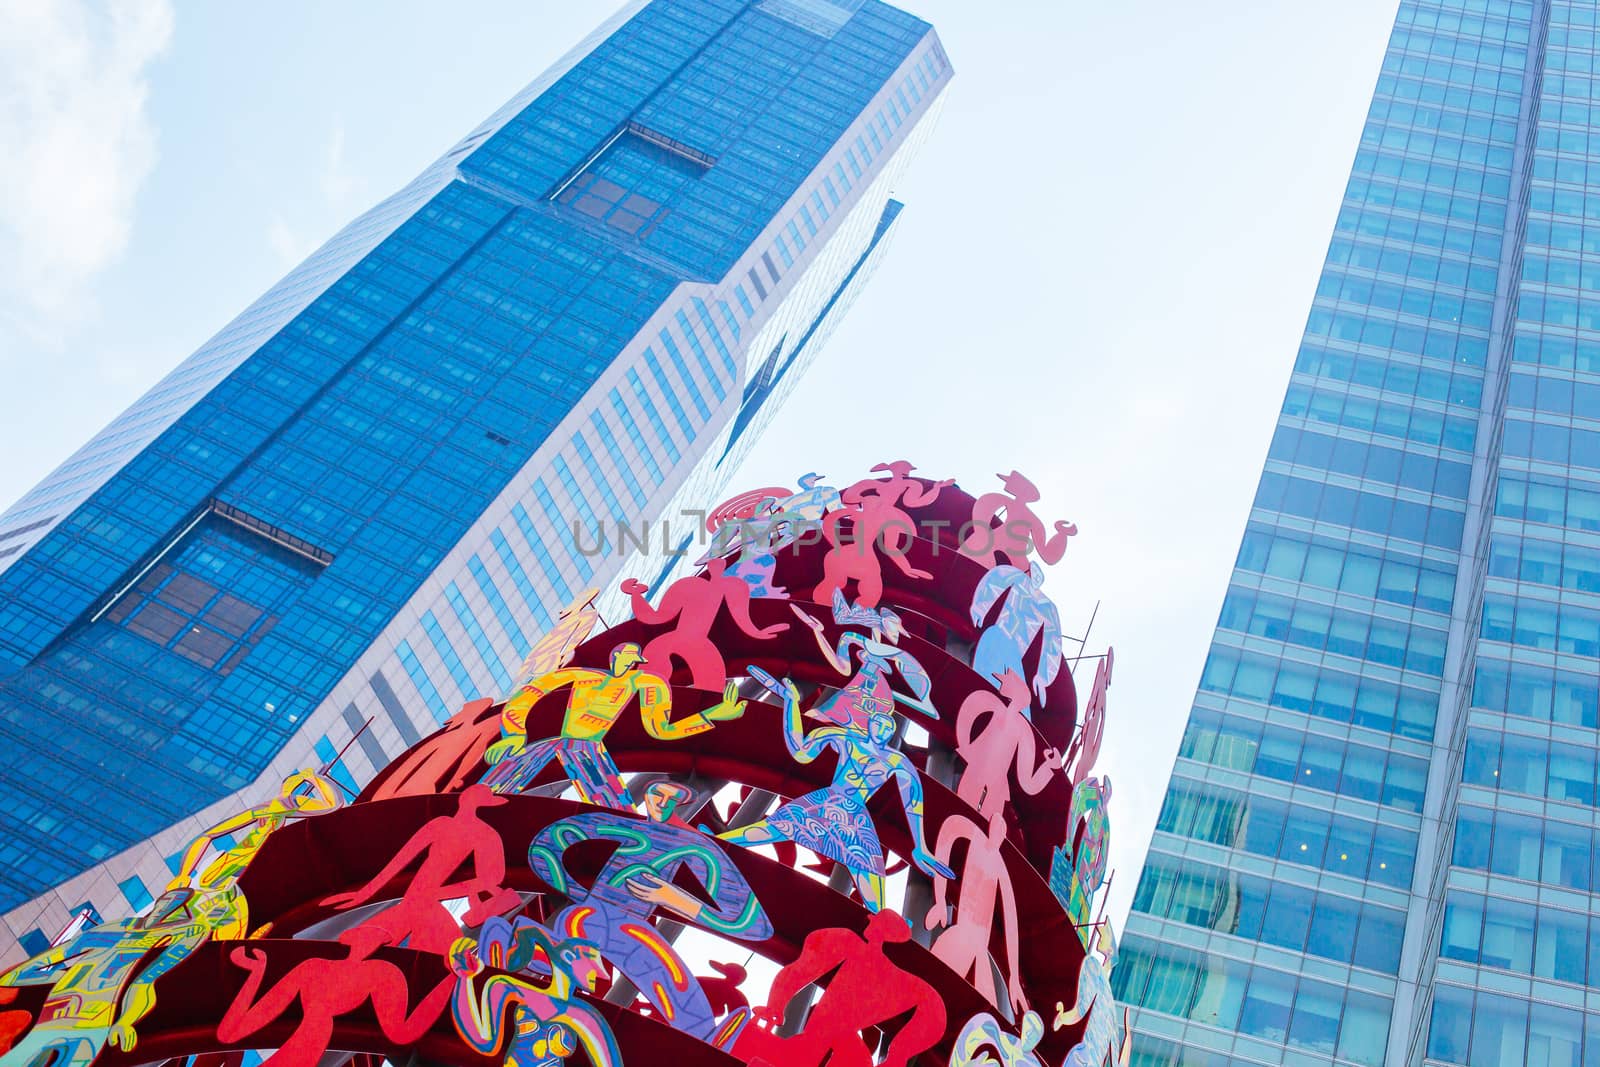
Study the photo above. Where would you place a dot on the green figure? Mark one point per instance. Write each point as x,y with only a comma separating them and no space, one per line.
102,982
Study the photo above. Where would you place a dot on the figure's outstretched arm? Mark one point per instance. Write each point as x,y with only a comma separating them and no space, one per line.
514,716
951,831
919,495
911,798
1030,778
655,711
246,1014
1071,1017
1055,548
838,659
200,845
477,1014
641,607
918,682
738,603
1012,932
140,996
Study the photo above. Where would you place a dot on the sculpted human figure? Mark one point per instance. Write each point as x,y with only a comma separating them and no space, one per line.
304,793
420,919
878,525
1022,531
983,1032
597,699
693,603
325,990
1089,834
443,762
1006,742
866,990
868,691
833,821
554,649
522,1019
754,537
964,946
1025,613
1085,748
102,982
614,913
1096,1003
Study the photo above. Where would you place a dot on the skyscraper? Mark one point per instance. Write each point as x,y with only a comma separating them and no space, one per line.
360,503
1378,845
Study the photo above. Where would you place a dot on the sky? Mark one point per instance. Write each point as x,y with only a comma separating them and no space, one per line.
1100,279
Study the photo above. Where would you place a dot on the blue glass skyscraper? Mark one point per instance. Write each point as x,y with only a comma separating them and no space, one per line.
353,509
1379,842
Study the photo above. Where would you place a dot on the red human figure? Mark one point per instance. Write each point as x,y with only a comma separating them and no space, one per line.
444,762
327,989
723,992
419,919
693,603
964,947
879,525
1085,748
1021,531
1007,740
13,1023
866,991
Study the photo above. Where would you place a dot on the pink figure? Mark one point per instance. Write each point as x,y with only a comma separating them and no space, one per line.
327,989
1085,748
879,523
964,947
419,919
1006,740
1021,531
866,990
693,602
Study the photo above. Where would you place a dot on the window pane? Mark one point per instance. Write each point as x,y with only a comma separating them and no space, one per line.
1364,1032
1450,1025
1267,1002
1499,1032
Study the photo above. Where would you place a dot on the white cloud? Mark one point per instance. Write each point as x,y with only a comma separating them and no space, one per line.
78,139
343,192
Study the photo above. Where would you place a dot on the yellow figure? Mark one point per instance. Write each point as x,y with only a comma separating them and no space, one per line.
555,648
304,793
597,699
102,982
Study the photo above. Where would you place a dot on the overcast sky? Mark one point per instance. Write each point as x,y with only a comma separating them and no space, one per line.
1108,253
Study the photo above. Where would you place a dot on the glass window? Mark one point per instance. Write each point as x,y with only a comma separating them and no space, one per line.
1517,839
1554,1036
1172,983
1450,1026
1267,1002
1377,942
1567,854
1288,917
1219,994
1333,927
1508,928
1315,1024
1364,1032
1463,927
1561,945
1499,1032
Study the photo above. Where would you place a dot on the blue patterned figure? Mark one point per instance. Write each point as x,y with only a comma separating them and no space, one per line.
614,913
1025,613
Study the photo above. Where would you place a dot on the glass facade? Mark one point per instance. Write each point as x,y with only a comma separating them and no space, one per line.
358,505
1379,844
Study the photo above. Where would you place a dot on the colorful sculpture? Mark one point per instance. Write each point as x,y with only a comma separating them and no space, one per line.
983,1032
693,603
102,982
868,692
519,1021
1025,614
878,525
833,821
1089,841
1085,748
14,1022
1095,1001
1006,742
304,793
614,913
554,650
325,990
754,527
964,946
420,919
1023,530
596,700
866,990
